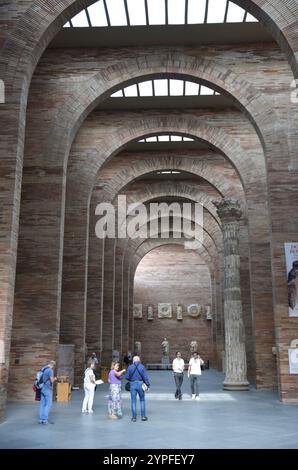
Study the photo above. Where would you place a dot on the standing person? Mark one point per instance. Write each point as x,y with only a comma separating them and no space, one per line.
89,386
178,369
115,401
194,372
137,375
46,399
94,360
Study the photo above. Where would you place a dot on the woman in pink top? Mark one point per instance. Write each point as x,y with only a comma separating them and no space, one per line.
115,401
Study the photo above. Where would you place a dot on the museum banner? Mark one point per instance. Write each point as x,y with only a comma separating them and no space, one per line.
291,251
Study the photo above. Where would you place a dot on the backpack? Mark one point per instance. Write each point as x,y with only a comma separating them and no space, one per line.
38,382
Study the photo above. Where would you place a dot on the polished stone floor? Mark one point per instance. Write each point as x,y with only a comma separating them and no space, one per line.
220,420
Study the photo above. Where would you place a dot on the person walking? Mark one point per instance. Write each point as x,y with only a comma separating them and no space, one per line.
178,369
89,386
137,375
46,399
115,400
194,372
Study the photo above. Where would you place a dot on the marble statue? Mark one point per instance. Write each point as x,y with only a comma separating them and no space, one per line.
179,312
193,346
150,313
208,312
138,348
165,347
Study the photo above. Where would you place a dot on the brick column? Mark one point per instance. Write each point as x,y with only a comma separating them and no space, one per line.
236,367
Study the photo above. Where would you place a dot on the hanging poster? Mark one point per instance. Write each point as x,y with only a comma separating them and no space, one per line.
291,251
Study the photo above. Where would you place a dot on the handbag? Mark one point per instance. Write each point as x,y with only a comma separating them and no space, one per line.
127,386
144,387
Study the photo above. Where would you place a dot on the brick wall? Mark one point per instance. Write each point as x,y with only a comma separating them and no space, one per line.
171,274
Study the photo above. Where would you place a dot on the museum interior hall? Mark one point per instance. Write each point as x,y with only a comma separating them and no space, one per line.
148,186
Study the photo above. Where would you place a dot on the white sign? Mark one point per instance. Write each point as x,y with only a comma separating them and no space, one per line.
291,251
293,361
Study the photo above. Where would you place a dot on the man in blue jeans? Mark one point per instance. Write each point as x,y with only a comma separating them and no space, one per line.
46,393
137,375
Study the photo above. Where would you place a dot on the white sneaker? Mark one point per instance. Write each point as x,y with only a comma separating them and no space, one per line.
90,411
193,397
84,411
198,398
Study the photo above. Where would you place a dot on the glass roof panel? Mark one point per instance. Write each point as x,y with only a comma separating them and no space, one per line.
97,14
250,18
136,11
131,91
117,94
235,13
161,87
80,20
205,90
196,11
146,88
167,138
176,11
117,13
156,11
176,87
216,11
191,89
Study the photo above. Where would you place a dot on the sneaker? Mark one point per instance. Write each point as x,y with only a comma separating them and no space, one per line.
198,398
144,418
90,411
84,411
134,419
180,398
113,417
193,397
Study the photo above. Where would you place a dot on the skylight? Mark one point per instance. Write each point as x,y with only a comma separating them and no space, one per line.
164,87
168,172
159,12
166,138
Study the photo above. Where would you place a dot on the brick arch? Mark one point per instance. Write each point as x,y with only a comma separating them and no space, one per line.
253,103
158,161
105,149
209,246
46,18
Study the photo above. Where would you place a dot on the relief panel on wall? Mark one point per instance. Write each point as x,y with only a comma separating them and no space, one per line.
164,310
194,310
138,310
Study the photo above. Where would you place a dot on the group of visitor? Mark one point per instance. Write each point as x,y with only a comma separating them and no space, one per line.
137,377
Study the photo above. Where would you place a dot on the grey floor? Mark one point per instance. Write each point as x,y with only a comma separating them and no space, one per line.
221,420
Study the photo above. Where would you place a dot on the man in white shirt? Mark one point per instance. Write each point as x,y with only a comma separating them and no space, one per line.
178,368
194,372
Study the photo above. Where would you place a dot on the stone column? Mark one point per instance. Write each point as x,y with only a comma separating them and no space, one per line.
230,213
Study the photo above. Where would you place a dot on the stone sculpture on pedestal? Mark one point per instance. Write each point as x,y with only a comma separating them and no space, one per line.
179,312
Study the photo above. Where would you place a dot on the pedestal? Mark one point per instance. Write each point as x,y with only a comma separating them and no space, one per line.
165,361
